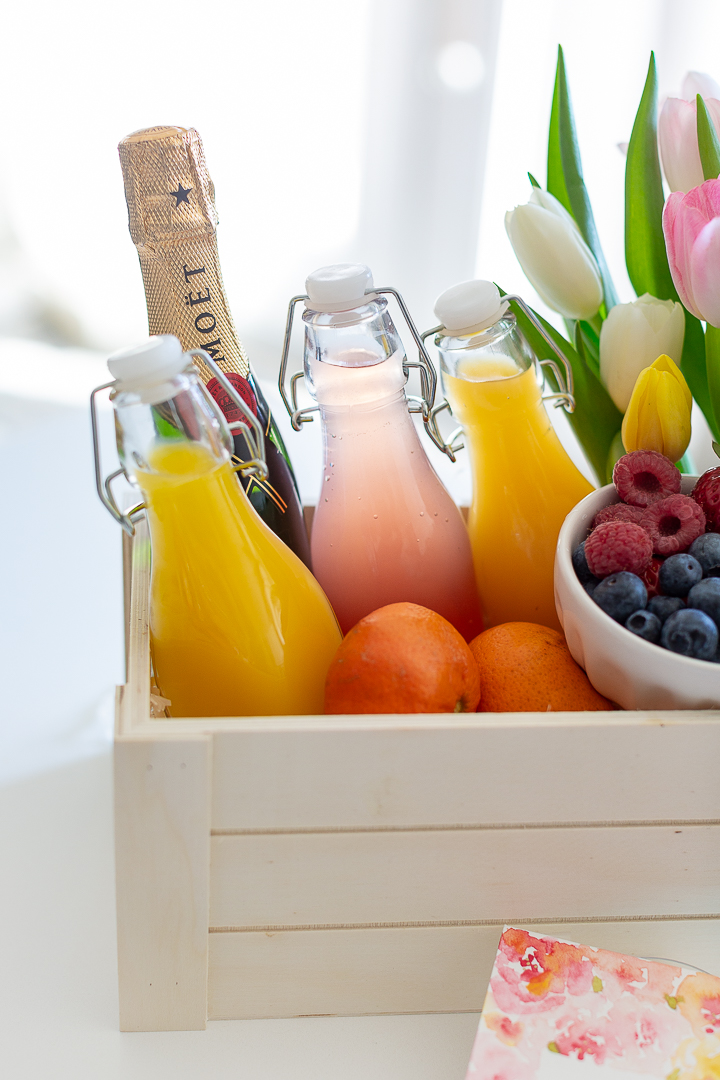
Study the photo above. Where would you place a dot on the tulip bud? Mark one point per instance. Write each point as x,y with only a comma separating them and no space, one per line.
677,131
632,336
658,416
691,224
555,258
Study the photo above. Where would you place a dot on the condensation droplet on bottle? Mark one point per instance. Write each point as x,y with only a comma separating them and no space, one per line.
436,513
375,516
326,479
326,499
422,513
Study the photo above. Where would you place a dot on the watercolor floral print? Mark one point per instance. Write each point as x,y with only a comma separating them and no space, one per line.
552,1003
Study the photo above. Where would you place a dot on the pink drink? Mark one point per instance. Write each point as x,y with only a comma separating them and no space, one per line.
385,528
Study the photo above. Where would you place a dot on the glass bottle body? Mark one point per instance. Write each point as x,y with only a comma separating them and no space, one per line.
524,483
239,626
385,529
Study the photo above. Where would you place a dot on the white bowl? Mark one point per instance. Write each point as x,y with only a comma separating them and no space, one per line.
623,667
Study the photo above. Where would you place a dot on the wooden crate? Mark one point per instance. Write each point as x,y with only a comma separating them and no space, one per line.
295,866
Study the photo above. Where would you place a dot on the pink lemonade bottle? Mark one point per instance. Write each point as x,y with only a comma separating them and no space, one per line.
385,529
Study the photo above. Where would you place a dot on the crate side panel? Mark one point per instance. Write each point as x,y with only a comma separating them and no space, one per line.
406,970
162,842
134,702
444,875
407,776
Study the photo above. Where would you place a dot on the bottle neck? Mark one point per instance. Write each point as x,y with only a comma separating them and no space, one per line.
173,221
177,415
186,297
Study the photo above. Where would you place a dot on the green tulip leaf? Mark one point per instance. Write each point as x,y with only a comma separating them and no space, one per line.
707,142
532,180
645,254
596,421
565,176
587,343
695,366
712,359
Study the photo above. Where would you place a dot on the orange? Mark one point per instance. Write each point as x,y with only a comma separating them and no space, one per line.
402,658
525,667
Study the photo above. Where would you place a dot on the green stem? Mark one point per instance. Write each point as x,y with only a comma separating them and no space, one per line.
712,366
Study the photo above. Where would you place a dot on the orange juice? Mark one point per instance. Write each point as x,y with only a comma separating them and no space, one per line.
238,624
524,485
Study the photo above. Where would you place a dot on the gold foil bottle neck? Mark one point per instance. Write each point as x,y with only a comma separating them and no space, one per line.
162,167
172,218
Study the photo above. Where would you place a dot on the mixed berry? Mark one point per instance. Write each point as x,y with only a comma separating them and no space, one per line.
652,561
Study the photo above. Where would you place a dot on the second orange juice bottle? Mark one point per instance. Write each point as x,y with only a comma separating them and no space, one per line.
524,483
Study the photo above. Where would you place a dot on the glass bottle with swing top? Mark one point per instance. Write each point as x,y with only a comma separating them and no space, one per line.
238,624
524,482
385,529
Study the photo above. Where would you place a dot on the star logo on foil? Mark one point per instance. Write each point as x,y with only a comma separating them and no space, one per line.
181,195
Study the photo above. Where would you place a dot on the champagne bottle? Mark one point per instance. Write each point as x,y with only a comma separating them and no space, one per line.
173,221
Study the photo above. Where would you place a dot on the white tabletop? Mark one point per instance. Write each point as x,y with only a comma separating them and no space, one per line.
58,989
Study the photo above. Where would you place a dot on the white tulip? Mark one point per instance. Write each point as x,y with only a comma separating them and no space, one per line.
555,258
632,337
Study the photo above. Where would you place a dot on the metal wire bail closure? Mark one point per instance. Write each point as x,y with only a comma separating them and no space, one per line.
428,375
564,398
252,433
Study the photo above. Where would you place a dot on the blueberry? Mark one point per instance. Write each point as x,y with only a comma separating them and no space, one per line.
706,597
591,586
706,549
581,567
620,595
678,574
645,625
691,633
663,606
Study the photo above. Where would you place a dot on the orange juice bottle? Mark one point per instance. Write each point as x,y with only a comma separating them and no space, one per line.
524,483
238,624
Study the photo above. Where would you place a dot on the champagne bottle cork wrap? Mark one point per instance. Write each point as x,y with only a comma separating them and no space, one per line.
172,218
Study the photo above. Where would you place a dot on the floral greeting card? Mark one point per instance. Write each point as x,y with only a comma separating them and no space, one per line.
559,1011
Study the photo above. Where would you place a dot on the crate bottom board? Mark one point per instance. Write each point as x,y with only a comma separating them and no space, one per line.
374,970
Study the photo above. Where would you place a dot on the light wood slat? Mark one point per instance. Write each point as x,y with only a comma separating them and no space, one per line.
325,878
162,837
437,969
525,771
134,704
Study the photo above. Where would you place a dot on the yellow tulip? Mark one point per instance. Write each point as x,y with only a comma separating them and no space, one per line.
658,416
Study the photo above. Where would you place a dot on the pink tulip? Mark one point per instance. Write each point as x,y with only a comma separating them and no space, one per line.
677,136
691,224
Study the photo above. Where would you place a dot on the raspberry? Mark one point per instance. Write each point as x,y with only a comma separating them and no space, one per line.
617,546
650,577
673,524
643,477
706,494
618,512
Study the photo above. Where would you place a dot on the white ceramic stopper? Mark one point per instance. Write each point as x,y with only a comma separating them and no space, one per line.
339,287
156,359
470,307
